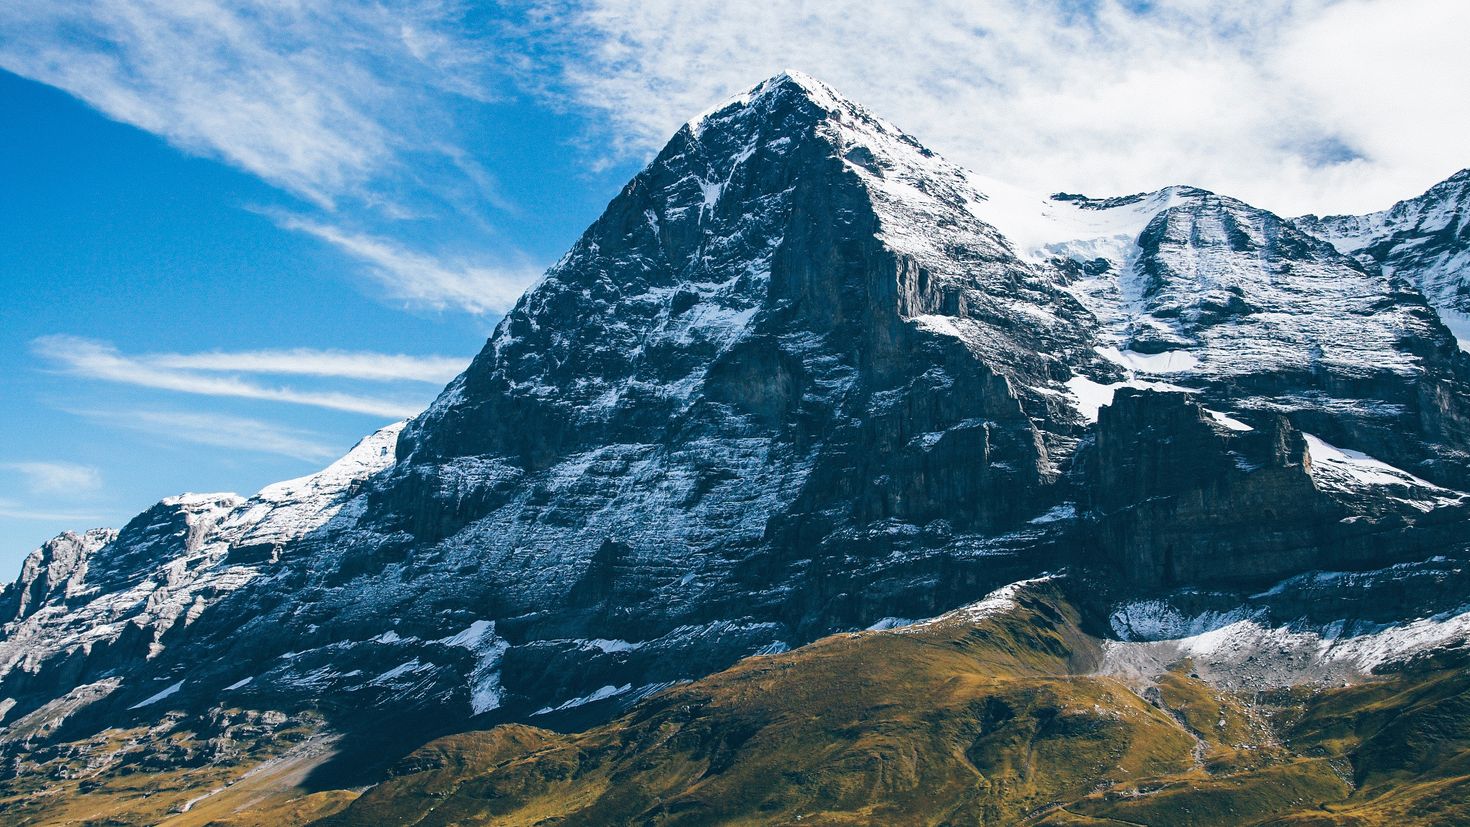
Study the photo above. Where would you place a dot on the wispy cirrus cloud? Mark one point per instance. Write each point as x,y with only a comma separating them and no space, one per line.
52,478
100,360
1298,105
349,364
320,99
219,430
421,279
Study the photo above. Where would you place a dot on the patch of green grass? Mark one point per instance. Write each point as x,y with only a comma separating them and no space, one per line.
1235,799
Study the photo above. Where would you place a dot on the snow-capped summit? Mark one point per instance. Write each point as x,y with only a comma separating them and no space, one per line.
786,82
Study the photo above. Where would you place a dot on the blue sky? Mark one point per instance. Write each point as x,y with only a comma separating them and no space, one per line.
138,273
235,237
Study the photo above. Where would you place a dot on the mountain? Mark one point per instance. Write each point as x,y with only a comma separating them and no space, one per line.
1424,240
802,376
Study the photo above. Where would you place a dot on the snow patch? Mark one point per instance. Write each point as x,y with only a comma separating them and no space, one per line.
1228,421
471,636
997,602
1089,397
600,695
489,648
1170,361
890,623
405,668
1065,511
1346,469
611,646
153,699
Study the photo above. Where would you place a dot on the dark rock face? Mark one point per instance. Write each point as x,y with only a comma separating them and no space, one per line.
1181,499
792,381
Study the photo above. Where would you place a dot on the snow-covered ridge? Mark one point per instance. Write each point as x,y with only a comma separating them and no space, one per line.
167,569
995,603
911,185
287,510
818,92
1441,209
1043,227
371,454
1425,240
1355,471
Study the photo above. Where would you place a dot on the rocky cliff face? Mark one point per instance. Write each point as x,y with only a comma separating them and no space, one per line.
802,375
1182,495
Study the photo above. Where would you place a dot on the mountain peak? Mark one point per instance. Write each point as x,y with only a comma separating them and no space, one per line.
789,83
706,251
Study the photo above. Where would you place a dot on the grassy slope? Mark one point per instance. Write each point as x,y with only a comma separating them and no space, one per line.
956,722
111,780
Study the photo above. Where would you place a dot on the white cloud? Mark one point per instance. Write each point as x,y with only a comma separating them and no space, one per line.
383,367
318,98
219,430
66,479
1296,105
99,360
421,279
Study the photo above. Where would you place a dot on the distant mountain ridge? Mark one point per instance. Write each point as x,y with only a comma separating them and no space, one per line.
1422,239
802,376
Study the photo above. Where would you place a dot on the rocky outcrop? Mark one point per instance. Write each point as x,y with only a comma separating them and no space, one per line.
1181,499
55,570
1182,495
